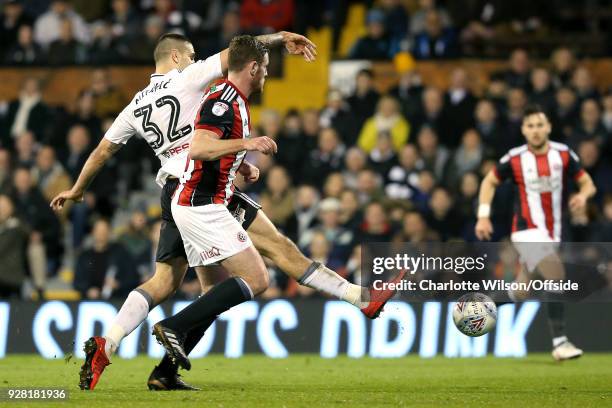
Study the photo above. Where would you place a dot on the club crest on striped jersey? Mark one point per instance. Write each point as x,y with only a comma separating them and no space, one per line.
219,108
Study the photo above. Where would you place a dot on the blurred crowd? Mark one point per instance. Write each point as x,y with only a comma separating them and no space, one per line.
66,32
402,166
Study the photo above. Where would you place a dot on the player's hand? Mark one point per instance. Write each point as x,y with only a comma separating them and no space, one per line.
69,195
249,172
297,44
484,229
261,144
577,202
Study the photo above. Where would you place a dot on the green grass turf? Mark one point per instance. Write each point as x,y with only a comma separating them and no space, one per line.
309,381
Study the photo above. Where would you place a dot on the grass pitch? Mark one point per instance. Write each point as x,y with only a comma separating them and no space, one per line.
309,381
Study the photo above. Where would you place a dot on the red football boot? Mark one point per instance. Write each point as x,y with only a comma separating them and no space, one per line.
378,298
95,362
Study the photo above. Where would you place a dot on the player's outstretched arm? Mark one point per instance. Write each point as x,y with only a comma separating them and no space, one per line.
484,228
295,44
207,146
102,153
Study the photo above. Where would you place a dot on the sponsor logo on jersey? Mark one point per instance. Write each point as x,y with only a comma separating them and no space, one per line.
219,108
210,253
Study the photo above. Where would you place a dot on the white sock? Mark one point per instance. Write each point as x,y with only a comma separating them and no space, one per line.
323,279
133,312
557,341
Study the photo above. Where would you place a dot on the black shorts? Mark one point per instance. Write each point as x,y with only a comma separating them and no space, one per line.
170,245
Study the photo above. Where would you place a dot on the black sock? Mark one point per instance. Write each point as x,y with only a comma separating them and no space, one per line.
220,298
193,337
556,318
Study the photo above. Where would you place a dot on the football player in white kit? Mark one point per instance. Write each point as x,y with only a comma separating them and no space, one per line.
163,113
539,170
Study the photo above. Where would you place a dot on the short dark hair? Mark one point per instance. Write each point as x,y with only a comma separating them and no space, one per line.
533,109
166,43
244,49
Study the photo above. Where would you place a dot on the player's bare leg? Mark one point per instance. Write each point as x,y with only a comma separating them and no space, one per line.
98,350
286,255
249,278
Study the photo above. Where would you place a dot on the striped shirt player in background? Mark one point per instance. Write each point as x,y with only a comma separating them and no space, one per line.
540,171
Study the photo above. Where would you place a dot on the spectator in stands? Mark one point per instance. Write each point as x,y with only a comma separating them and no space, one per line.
337,114
604,227
350,212
515,107
432,114
542,91
354,161
415,229
79,147
5,171
50,176
105,269
590,126
376,44
109,100
582,82
12,18
290,141
563,65
320,250
395,19
598,166
13,240
311,128
139,49
333,185
339,238
25,51
459,104
468,199
519,70
467,157
82,113
136,240
230,27
402,179
26,148
28,112
266,16
434,156
435,41
103,48
418,20
123,19
442,216
278,198
66,50
176,20
409,92
386,119
369,186
382,157
565,115
48,27
33,210
488,126
306,208
375,226
363,101
326,158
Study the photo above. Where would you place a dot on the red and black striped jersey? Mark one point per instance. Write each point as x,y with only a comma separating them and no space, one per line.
225,112
540,181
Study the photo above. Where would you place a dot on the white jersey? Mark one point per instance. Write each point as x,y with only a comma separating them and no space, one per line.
163,114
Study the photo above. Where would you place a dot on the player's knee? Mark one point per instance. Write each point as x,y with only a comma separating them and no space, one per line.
259,280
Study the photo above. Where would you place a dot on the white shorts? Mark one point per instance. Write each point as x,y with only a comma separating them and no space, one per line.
210,233
533,245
